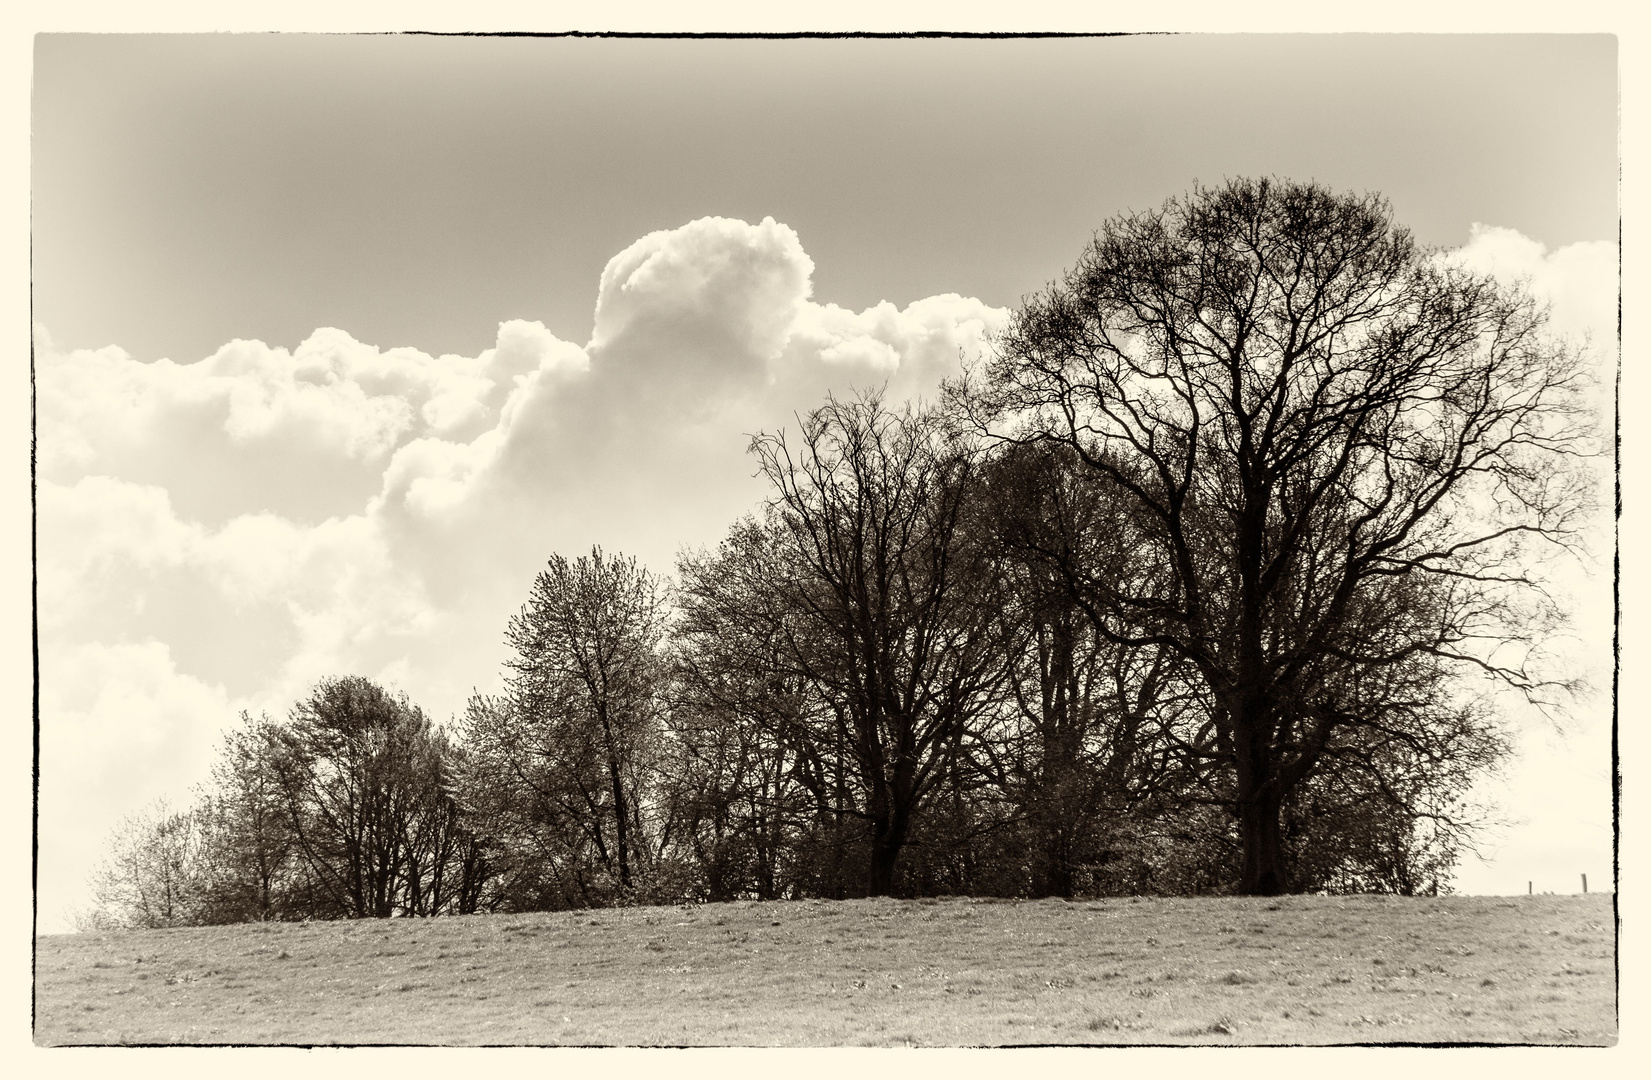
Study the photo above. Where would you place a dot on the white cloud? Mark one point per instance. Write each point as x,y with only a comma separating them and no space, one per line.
120,727
1578,281
219,534
1549,847
87,533
738,283
114,556
525,371
910,349
702,335
250,418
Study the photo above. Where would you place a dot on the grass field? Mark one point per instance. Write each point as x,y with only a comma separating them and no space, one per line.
955,972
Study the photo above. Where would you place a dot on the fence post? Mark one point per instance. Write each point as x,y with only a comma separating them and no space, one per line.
1585,884
1530,888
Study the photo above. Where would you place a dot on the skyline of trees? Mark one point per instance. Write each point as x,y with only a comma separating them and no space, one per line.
1200,583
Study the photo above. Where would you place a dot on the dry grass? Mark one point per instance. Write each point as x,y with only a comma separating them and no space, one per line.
953,972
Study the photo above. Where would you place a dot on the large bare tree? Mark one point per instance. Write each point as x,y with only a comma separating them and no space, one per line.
1345,451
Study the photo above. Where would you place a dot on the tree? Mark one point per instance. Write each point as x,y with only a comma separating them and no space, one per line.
1343,448
878,598
1386,808
152,876
362,776
345,810
248,844
567,755
764,771
1093,733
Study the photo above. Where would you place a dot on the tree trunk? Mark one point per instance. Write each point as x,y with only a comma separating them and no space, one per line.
620,811
1264,872
885,852
1259,827
1054,877
888,836
839,887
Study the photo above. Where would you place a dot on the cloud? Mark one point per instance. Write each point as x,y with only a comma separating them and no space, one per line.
258,594
910,349
702,335
305,433
697,315
1578,281
217,535
120,727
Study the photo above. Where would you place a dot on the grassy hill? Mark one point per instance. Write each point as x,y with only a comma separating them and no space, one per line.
1299,969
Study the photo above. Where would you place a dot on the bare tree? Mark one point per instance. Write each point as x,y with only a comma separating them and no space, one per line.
1096,728
763,765
1345,451
887,604
152,876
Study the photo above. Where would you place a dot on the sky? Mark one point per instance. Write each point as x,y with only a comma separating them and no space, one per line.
339,338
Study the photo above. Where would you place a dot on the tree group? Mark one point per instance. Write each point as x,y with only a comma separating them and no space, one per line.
1195,584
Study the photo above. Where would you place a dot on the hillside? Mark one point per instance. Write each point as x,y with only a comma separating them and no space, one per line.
1300,969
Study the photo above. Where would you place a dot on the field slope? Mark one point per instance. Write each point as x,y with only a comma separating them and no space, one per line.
956,972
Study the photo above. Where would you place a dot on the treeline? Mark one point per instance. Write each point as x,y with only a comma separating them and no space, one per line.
1173,595
883,683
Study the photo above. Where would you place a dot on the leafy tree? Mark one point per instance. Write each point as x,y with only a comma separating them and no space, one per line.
345,810
1344,450
563,764
248,843
362,779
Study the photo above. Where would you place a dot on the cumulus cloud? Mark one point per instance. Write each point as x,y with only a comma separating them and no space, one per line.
726,290
1578,281
216,535
910,349
290,602
254,427
702,335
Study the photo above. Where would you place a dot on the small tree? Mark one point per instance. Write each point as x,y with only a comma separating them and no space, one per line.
152,876
1343,448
